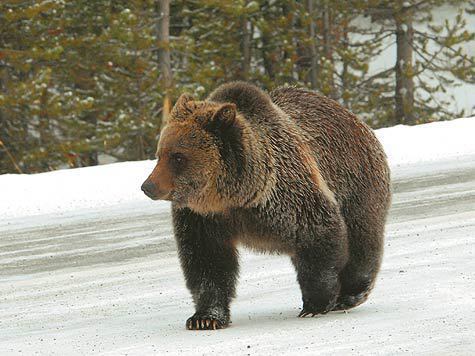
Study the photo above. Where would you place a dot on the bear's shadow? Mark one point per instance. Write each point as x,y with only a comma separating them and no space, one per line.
268,318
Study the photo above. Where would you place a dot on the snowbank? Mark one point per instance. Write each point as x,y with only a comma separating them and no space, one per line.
116,184
429,142
72,189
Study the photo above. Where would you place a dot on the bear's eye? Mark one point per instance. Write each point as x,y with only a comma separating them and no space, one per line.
178,159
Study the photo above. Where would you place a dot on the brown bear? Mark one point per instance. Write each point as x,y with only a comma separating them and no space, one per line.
289,172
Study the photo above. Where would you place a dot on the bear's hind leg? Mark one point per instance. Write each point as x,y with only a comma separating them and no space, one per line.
359,275
320,287
318,262
354,293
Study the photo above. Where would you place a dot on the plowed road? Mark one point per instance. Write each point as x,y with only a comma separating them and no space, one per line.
109,282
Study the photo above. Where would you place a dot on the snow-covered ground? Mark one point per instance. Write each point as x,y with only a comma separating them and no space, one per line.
89,266
92,188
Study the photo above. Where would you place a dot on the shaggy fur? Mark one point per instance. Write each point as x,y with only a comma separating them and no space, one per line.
291,172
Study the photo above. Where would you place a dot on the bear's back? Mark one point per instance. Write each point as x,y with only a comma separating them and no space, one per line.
315,113
348,155
346,150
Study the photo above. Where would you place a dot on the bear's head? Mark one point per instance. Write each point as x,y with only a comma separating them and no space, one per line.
199,151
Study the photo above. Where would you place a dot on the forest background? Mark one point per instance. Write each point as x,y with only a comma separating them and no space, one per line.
88,82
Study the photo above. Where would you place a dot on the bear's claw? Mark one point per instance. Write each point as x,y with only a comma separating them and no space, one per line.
195,323
305,312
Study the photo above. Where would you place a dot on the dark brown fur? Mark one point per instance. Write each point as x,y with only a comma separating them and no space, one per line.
291,172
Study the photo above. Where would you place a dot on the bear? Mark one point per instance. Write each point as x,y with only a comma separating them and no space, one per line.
288,172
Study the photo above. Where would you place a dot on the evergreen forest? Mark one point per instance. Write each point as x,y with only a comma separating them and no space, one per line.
86,82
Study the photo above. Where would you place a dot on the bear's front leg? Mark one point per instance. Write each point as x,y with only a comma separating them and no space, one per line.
210,264
320,256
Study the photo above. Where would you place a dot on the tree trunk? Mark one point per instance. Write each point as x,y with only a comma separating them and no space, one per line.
288,10
45,139
7,161
245,48
3,122
345,80
163,54
312,46
90,158
328,48
268,57
268,51
404,95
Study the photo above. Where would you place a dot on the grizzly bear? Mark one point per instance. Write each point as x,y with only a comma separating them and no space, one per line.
289,172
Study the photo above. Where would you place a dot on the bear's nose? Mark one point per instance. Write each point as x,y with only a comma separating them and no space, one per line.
149,189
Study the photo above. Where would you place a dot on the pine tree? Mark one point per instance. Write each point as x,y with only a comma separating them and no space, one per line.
428,60
87,78
88,82
335,53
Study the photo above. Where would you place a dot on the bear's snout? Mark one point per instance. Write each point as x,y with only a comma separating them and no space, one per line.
153,191
159,184
149,189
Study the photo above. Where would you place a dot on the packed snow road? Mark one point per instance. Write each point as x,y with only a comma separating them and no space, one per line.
108,281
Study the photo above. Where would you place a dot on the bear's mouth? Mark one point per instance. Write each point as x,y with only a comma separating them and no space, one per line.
167,196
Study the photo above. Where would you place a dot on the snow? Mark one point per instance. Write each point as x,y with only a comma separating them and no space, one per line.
88,266
61,191
64,191
429,142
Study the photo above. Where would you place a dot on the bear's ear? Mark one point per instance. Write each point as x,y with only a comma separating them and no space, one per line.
180,105
228,127
223,119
